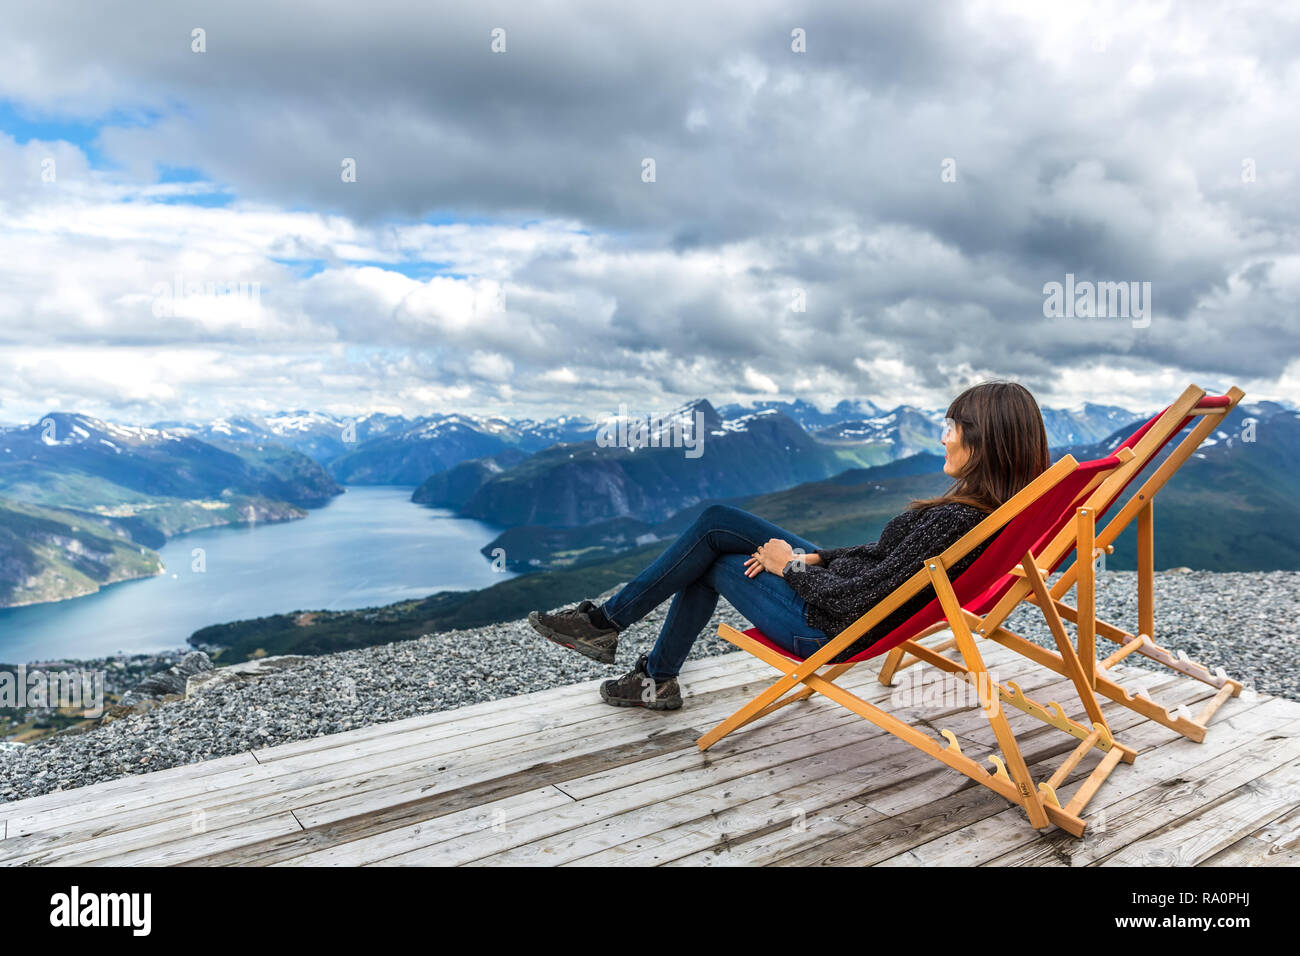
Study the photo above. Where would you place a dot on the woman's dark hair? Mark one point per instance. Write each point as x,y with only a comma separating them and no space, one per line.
1002,426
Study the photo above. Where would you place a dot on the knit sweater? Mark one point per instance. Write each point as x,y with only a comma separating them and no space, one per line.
851,581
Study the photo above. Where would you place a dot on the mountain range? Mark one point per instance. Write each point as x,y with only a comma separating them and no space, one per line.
80,497
576,483
387,449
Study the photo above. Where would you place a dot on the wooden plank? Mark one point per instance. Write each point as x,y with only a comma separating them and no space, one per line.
751,777
570,787
337,828
554,837
177,852
1041,743
922,790
533,704
661,803
142,843
628,724
970,828
1138,806
746,848
181,797
1276,843
909,767
843,821
802,727
470,819
1284,831
814,719
276,794
400,848
1252,851
177,803
728,771
187,808
1125,795
792,816
1195,836
134,783
649,836
940,795
277,845
961,718
317,813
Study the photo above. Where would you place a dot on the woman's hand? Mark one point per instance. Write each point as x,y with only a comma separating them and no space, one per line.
772,556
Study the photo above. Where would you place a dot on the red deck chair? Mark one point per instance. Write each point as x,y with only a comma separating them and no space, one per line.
1037,513
1000,601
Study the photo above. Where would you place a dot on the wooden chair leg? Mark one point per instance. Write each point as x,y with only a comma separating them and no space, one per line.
1086,597
891,665
1146,571
1032,798
1192,729
1075,669
894,660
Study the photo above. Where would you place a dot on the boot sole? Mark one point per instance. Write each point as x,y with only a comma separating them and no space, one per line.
672,703
605,655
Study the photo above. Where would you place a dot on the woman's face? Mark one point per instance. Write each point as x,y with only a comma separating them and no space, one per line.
955,453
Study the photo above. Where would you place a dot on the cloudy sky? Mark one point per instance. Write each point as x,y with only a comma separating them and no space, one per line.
848,200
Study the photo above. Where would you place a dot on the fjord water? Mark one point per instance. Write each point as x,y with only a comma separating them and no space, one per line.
370,546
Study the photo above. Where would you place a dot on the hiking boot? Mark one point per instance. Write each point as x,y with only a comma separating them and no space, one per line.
572,628
636,689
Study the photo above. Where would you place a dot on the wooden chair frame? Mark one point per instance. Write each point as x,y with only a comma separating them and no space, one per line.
1085,540
1011,778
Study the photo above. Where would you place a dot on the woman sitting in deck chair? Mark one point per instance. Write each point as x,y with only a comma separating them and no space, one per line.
995,444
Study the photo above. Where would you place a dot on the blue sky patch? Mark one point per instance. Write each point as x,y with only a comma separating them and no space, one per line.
25,124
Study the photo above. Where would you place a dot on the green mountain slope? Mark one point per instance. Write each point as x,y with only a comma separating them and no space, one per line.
68,460
143,485
581,483
455,486
47,554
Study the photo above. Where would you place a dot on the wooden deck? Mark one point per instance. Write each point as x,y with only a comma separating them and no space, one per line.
559,777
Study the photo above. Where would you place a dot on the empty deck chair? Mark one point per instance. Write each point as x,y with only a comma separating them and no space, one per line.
1146,443
1035,514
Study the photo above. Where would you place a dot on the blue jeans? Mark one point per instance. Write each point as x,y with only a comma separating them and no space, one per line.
706,560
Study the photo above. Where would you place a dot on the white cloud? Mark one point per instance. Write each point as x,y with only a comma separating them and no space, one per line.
818,172
760,382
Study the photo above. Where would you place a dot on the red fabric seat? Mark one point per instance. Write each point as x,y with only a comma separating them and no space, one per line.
1002,554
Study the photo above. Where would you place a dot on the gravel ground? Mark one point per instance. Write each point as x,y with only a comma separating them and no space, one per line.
1243,622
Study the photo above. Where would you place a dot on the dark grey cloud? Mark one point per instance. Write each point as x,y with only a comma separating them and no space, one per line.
1106,141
